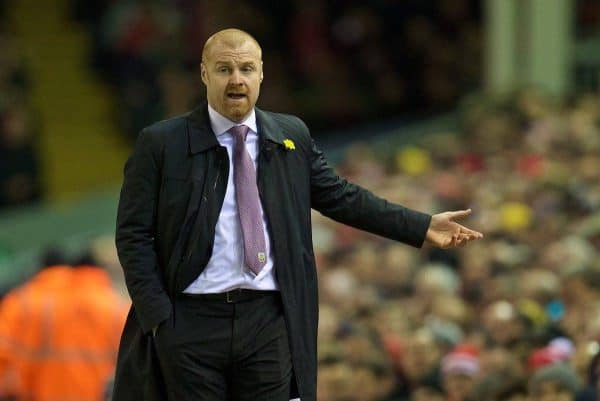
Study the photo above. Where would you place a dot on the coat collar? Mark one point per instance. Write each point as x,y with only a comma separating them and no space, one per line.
268,129
201,136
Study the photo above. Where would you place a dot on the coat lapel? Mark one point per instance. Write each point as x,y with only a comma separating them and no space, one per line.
200,134
271,139
268,129
201,138
269,175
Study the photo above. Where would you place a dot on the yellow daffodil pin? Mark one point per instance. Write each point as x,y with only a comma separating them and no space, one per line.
289,144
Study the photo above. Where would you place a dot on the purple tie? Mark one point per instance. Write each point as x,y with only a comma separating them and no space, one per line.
248,202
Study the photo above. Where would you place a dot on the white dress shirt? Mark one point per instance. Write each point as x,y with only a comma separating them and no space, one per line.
225,270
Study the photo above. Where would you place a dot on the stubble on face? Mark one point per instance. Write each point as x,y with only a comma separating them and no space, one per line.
232,72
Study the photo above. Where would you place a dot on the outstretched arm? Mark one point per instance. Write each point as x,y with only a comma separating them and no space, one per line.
350,204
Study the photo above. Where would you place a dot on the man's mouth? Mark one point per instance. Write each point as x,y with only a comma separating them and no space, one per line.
236,96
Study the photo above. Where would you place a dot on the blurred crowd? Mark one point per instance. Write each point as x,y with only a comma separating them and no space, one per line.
515,317
19,164
335,63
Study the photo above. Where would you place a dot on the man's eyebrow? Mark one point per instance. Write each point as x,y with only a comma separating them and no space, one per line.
246,63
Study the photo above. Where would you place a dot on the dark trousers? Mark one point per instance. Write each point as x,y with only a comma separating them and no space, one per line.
211,350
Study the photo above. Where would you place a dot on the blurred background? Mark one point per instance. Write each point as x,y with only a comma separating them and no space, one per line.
437,104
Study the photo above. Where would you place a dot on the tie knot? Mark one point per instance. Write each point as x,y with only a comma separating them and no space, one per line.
239,132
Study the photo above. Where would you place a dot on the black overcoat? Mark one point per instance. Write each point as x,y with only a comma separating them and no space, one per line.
172,193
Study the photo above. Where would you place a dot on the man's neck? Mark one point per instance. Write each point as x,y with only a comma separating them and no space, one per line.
220,124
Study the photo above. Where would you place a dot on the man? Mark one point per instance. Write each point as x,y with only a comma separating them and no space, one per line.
214,236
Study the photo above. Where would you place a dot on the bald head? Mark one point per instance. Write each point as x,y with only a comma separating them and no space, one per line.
231,38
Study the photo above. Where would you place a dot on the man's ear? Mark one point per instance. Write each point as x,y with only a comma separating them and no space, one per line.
262,75
203,73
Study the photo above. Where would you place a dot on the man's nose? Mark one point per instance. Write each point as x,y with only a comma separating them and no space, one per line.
236,77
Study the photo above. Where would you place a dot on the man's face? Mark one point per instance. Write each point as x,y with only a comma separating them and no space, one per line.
232,77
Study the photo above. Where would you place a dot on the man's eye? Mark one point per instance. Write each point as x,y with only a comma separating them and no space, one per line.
222,69
248,69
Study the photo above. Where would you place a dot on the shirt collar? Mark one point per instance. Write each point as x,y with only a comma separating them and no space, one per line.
221,124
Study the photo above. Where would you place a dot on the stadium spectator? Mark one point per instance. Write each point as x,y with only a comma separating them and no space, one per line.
59,335
556,382
459,369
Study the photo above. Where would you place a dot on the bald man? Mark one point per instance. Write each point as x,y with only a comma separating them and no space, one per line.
214,236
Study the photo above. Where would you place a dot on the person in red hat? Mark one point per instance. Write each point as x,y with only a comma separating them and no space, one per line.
459,369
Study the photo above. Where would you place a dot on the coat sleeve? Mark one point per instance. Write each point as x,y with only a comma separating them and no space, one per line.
350,204
135,234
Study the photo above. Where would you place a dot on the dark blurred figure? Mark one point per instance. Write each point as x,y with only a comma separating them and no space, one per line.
19,181
500,387
59,334
591,392
19,165
53,255
556,382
